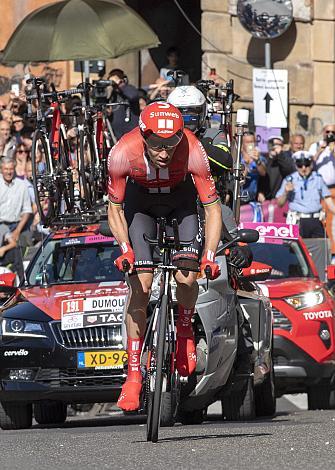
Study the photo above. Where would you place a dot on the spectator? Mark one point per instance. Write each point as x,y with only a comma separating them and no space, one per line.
15,206
297,142
317,147
2,107
304,190
325,165
143,99
21,156
159,90
7,142
19,128
172,55
255,165
7,116
123,118
15,211
278,165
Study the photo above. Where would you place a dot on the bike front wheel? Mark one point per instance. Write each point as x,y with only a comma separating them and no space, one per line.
155,373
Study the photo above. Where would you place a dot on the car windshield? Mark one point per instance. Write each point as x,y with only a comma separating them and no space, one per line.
65,262
287,259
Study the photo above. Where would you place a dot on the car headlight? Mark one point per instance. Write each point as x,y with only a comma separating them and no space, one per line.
17,327
307,300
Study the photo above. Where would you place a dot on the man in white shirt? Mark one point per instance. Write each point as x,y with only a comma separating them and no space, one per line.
15,210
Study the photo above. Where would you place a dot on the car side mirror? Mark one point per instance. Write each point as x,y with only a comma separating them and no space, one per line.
331,272
248,235
257,272
7,287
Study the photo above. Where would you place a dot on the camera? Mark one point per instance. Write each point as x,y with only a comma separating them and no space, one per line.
330,137
100,91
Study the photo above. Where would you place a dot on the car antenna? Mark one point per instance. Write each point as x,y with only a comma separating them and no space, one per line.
45,280
25,280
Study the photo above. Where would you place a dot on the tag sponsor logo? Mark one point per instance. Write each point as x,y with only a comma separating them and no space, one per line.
102,319
20,352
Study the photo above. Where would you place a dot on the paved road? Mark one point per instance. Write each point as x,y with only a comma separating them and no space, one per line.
295,439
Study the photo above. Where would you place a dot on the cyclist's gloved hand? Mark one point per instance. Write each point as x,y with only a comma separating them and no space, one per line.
208,259
128,256
241,256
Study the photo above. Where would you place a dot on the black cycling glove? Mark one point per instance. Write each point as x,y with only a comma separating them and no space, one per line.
241,256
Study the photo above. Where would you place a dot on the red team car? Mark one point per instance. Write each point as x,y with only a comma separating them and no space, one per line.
303,311
60,334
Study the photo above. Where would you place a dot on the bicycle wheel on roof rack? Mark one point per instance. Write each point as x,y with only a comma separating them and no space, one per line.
87,169
46,191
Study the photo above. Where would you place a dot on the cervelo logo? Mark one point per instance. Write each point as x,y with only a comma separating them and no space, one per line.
20,352
318,315
268,230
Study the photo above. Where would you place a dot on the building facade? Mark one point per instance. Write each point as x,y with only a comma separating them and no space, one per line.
306,50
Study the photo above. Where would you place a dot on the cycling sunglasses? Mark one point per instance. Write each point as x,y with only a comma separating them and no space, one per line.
161,147
157,143
301,163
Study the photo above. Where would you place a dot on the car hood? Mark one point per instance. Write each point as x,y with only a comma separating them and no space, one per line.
277,288
51,301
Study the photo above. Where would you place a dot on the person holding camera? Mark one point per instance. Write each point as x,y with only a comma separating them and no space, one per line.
278,166
255,166
304,191
124,118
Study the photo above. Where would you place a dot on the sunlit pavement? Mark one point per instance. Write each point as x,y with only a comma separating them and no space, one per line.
295,438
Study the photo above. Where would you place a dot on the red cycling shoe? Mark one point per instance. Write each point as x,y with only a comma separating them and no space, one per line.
129,399
186,357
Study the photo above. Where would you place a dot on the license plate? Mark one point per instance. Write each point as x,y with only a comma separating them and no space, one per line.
102,359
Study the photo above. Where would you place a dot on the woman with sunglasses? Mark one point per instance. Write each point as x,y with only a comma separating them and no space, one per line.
304,191
155,171
21,156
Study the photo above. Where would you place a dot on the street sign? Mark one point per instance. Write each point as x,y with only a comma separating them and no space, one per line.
270,97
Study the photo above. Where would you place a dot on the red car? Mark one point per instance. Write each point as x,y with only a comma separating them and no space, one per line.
303,311
61,332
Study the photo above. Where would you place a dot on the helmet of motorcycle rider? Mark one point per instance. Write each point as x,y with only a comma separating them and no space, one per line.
161,125
192,104
219,156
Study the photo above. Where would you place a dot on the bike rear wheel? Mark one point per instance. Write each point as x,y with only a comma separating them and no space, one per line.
156,374
47,197
86,169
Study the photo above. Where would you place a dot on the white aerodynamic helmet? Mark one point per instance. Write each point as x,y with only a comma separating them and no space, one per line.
192,104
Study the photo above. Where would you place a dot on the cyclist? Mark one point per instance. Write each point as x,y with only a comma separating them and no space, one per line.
166,167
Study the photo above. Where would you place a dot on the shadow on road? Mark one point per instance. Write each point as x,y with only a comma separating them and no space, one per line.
97,421
207,436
